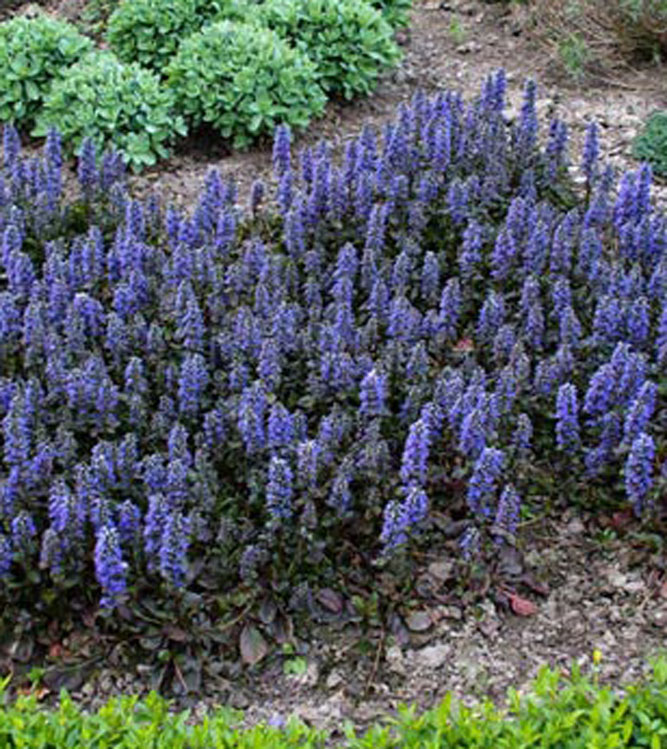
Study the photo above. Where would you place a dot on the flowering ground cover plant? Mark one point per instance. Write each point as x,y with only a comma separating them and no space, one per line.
224,398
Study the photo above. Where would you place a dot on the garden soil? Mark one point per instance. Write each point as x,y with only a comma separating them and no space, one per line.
574,583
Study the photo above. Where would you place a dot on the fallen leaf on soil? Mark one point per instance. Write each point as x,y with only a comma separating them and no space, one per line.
622,519
663,590
331,600
522,606
420,621
38,692
56,650
176,634
268,611
253,645
398,629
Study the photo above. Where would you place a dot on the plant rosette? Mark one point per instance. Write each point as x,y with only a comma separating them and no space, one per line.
244,80
116,105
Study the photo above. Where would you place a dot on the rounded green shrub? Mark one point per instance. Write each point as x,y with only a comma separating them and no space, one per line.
119,106
149,31
33,52
396,12
349,41
244,80
651,144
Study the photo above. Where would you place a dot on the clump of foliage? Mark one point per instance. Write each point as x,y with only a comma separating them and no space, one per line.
350,41
395,12
116,106
431,322
127,722
95,15
558,711
149,31
33,53
243,80
651,143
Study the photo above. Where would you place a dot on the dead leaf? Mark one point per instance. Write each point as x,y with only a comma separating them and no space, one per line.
522,606
622,519
331,600
282,630
176,634
38,692
420,621
268,611
56,650
253,645
398,629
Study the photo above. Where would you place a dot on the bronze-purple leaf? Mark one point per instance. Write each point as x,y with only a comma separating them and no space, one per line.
253,645
331,600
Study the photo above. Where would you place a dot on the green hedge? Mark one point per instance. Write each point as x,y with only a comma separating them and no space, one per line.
560,712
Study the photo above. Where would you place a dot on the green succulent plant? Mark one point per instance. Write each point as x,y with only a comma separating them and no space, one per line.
651,144
244,80
150,31
349,40
33,53
117,105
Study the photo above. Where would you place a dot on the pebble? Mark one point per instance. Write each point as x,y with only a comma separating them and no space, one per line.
432,657
395,660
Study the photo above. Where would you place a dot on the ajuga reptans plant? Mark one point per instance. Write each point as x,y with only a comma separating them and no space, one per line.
433,318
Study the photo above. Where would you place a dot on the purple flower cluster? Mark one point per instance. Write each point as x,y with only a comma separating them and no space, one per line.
415,312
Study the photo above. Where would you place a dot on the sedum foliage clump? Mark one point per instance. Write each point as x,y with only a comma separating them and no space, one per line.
651,144
349,41
430,321
149,32
243,80
33,53
116,105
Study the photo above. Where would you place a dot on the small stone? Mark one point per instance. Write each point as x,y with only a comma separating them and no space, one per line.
467,48
449,612
432,657
334,680
106,684
239,699
441,571
617,579
87,690
420,621
395,660
575,527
